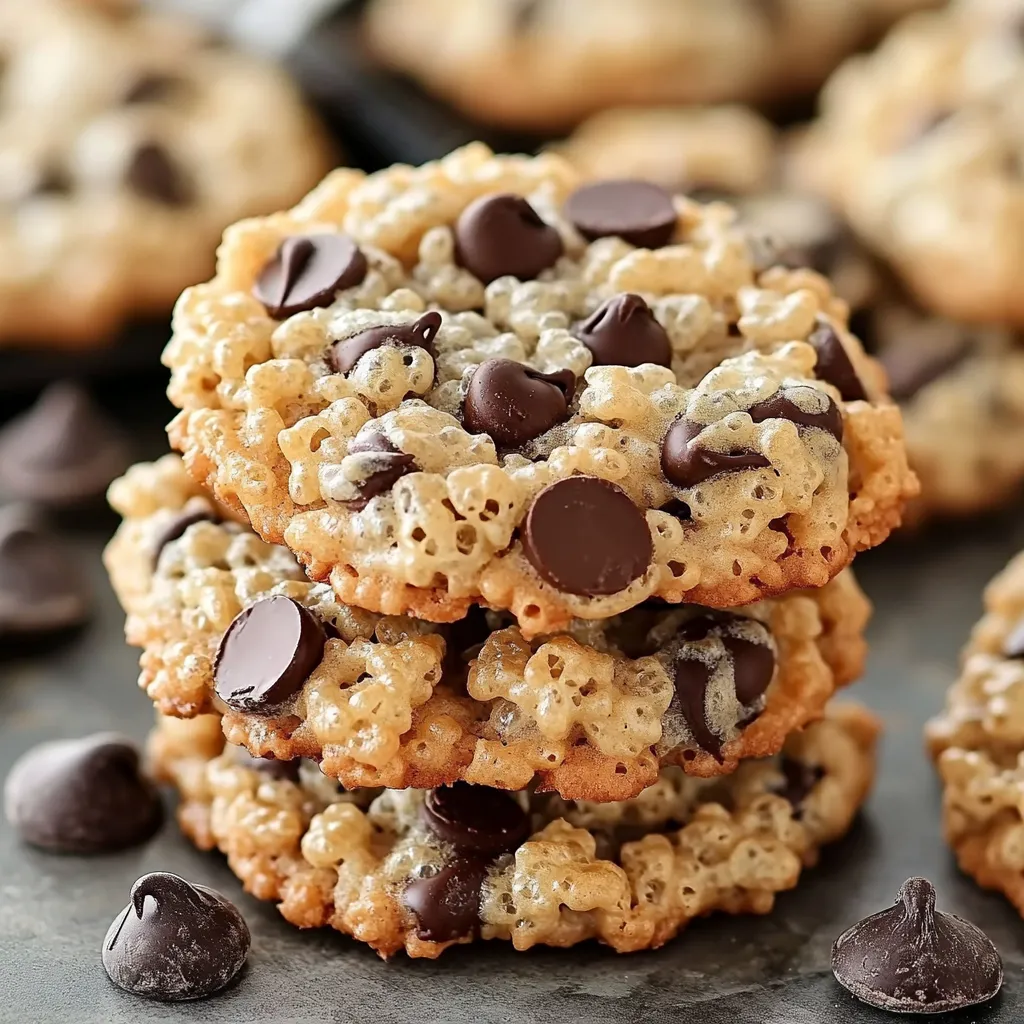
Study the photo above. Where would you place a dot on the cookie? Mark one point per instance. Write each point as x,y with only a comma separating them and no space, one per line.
919,144
978,740
129,143
230,623
546,64
424,871
438,392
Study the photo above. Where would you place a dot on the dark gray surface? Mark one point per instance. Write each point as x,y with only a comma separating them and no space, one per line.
774,970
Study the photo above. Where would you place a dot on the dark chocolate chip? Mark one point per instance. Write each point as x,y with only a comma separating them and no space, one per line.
475,819
272,767
834,365
419,334
585,536
389,465
446,905
912,364
41,589
789,404
307,271
63,451
912,958
1013,645
267,653
639,212
175,940
502,235
799,780
154,87
515,403
624,332
691,679
153,174
687,463
82,796
195,510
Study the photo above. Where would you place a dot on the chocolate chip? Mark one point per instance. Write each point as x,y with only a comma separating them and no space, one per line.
834,365
267,653
51,181
585,536
803,405
475,819
687,463
638,212
388,466
463,640
515,403
307,272
153,87
41,590
912,958
153,174
1013,645
272,767
195,510
82,796
446,905
799,780
678,510
624,332
419,334
175,940
502,235
912,364
63,451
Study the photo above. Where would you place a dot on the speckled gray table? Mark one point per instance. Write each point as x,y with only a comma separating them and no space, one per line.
54,910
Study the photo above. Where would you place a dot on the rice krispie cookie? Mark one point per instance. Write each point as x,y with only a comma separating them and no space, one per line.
545,64
978,743
127,144
483,381
426,870
229,623
920,145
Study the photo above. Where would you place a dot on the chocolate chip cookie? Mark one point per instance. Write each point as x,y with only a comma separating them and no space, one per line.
427,870
483,381
127,143
229,623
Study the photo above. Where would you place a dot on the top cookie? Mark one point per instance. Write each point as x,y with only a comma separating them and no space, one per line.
433,388
920,145
545,64
127,144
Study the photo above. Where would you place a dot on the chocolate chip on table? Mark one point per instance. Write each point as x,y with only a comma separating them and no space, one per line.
585,536
624,332
502,235
639,212
388,465
82,796
175,940
195,510
1013,645
41,589
789,404
153,174
475,819
834,365
419,334
515,403
799,780
912,958
307,271
63,451
446,905
267,653
687,463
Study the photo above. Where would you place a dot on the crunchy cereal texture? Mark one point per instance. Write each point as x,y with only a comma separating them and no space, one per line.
589,713
129,143
266,424
920,144
549,63
978,744
624,873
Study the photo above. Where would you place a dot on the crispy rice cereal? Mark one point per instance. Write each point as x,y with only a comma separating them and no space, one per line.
387,868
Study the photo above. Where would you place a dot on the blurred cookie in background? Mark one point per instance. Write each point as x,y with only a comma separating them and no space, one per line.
127,144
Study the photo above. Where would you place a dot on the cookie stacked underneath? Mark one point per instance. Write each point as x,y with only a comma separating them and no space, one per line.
504,577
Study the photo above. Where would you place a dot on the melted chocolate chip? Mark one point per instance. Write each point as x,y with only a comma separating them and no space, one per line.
912,958
419,334
153,174
686,463
82,796
267,653
307,271
389,466
799,779
175,940
834,365
153,87
446,905
789,404
913,364
1013,645
585,536
515,403
502,235
475,819
624,332
638,212
195,510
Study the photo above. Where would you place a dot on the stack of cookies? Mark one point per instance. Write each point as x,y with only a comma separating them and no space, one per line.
501,585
